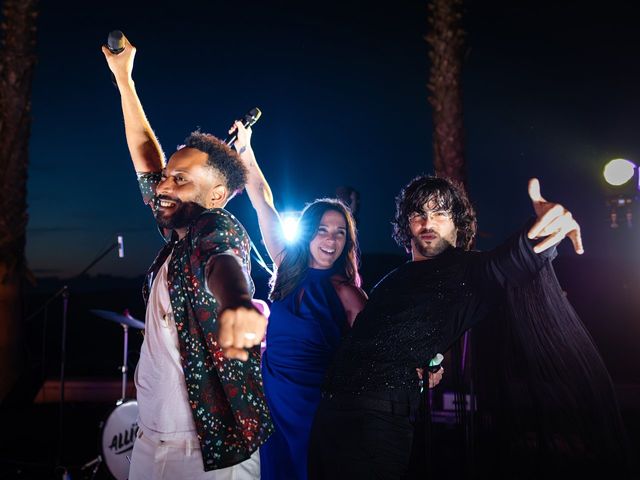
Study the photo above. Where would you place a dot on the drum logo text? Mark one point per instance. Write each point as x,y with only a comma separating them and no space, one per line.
123,442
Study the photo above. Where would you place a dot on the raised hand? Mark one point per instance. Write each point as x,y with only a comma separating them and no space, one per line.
121,64
243,141
554,222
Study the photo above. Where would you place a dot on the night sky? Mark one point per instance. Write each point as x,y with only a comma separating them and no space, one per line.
551,90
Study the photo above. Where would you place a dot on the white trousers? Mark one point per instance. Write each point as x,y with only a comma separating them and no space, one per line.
182,459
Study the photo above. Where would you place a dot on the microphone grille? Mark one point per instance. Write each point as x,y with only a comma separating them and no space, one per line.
115,41
252,116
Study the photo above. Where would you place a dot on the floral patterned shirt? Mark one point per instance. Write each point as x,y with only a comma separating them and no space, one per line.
226,396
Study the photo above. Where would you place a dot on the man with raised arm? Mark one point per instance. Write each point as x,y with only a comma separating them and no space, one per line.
202,412
364,427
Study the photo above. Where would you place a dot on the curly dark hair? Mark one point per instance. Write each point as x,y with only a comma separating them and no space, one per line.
447,194
221,157
295,262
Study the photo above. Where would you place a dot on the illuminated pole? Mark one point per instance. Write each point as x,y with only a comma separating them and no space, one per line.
624,180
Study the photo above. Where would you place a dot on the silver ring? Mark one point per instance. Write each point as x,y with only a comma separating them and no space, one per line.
250,335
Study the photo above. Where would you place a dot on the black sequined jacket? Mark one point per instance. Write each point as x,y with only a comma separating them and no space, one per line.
422,308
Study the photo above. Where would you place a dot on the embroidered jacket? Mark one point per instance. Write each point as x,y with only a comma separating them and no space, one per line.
226,396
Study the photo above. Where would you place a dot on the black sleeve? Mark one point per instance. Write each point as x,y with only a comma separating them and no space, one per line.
514,263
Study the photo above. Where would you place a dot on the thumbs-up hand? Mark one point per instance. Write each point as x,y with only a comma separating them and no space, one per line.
554,222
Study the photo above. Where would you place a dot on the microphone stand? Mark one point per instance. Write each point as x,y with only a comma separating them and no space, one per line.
111,247
64,292
95,463
63,355
63,348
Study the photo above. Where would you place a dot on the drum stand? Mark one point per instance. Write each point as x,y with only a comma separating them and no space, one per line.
96,462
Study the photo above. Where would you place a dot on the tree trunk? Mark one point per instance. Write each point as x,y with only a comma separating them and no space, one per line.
17,63
446,41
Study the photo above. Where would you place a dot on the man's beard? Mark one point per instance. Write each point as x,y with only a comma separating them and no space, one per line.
180,216
434,247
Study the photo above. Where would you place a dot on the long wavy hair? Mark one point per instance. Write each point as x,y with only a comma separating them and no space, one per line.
448,195
295,263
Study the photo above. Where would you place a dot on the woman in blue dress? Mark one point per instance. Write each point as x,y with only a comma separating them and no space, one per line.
316,296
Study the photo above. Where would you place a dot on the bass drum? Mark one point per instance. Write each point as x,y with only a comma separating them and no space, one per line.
119,432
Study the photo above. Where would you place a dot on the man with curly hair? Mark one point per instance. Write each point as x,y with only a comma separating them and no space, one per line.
202,413
363,427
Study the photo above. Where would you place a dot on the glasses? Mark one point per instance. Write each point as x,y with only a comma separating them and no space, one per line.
431,215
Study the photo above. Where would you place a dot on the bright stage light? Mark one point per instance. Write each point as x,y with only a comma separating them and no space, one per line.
619,171
290,226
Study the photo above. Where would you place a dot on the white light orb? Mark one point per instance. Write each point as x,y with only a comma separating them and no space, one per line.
619,171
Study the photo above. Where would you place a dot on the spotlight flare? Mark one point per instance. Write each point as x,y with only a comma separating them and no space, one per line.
290,227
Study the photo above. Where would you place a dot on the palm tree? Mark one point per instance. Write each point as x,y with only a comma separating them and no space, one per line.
446,53
17,63
446,41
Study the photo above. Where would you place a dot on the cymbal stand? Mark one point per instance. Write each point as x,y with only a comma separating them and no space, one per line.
63,355
124,368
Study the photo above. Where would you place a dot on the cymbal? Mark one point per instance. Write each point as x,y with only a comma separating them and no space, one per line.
118,318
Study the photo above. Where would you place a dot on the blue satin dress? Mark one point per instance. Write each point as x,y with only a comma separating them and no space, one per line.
303,334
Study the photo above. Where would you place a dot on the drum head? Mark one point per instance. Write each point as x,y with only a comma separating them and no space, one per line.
117,438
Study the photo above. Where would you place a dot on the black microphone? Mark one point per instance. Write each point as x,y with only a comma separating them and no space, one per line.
248,120
115,41
115,44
